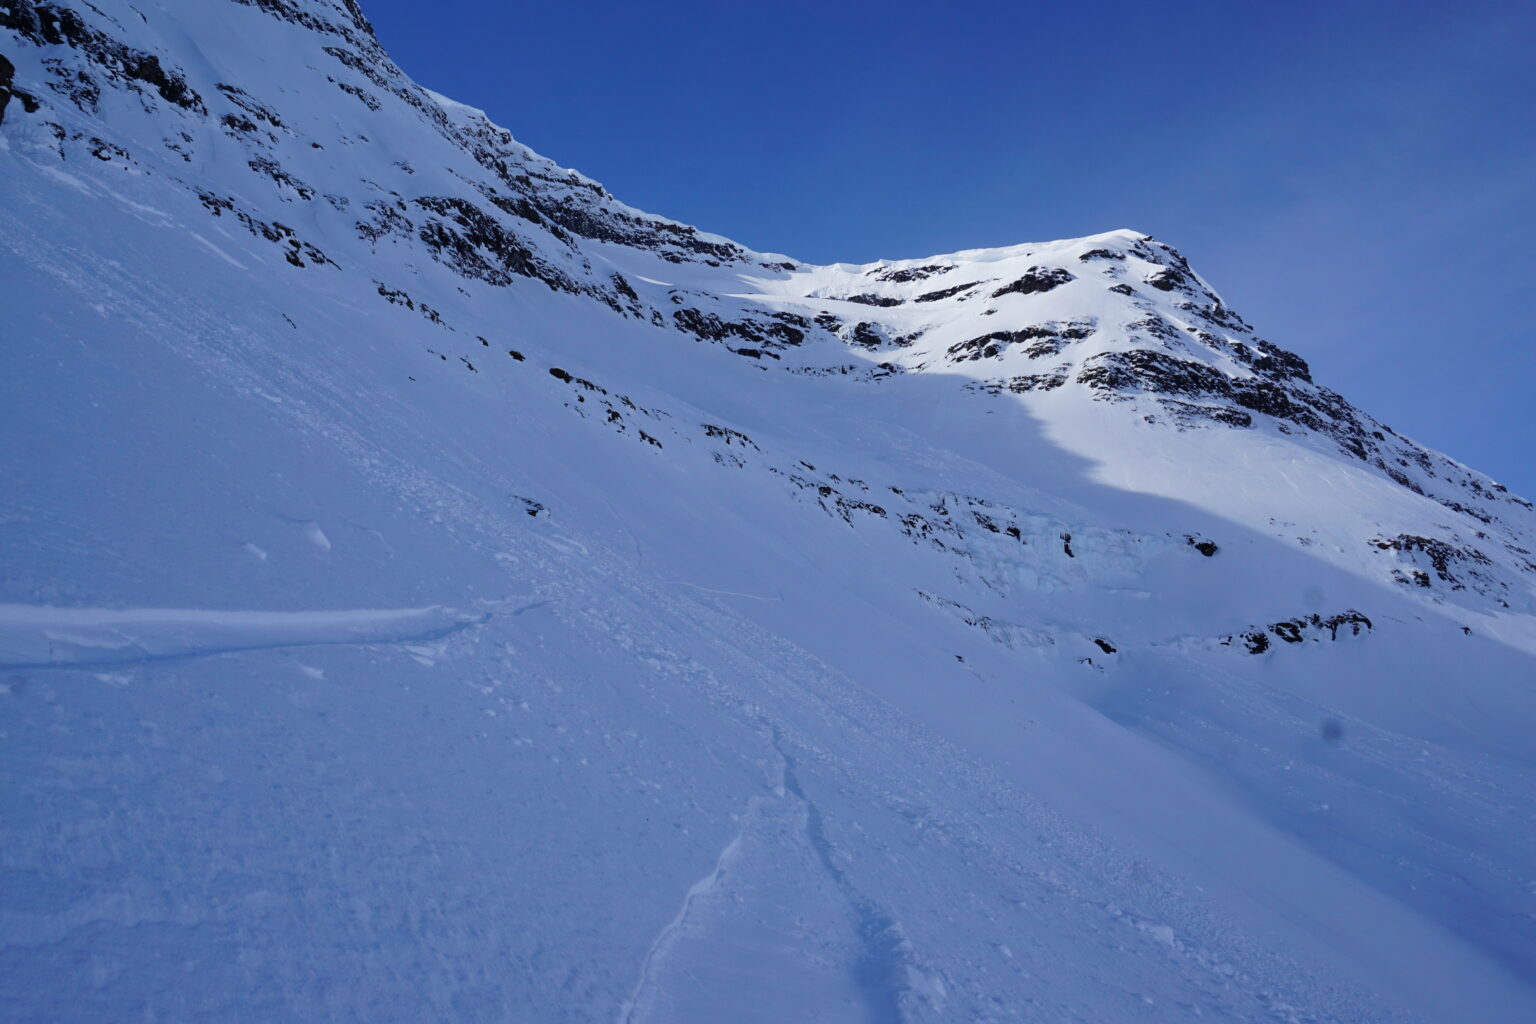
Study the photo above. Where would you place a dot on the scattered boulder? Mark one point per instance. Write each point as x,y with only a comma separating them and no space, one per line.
1200,544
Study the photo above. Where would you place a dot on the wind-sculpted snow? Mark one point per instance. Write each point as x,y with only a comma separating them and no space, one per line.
33,637
431,589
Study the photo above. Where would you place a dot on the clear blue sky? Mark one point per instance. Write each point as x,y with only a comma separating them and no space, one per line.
1355,178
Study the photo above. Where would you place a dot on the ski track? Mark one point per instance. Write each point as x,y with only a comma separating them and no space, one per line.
884,969
637,1009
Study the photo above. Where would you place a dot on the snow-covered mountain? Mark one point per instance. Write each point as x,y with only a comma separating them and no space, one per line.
431,589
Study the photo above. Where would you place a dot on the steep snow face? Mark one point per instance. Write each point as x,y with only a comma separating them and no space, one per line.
433,589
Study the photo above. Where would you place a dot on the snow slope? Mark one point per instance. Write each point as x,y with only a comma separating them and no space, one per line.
431,589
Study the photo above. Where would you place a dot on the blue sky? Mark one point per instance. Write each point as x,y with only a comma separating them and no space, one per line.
1355,178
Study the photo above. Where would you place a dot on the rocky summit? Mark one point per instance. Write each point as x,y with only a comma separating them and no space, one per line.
431,589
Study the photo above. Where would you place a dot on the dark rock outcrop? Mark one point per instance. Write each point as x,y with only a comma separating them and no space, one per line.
46,24
1034,281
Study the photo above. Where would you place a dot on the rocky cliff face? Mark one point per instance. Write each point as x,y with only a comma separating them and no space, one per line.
340,423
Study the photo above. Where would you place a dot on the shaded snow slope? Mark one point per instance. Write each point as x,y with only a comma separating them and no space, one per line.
431,589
